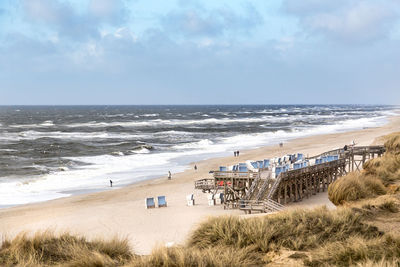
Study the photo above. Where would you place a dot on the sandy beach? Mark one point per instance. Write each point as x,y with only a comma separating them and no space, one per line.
121,212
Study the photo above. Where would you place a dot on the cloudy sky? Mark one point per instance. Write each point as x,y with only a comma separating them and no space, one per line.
199,52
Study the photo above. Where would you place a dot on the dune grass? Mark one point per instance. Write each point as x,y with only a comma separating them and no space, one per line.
321,236
184,256
294,230
355,186
48,249
356,249
376,179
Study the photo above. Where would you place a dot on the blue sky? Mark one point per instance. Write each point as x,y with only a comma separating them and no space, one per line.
199,52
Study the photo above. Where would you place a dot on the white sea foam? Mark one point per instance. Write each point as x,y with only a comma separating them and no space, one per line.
32,135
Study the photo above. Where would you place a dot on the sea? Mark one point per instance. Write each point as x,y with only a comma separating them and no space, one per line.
49,152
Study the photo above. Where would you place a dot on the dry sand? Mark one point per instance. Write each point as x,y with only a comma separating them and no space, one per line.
121,212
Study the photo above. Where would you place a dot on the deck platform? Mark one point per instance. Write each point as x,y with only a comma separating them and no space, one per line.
258,191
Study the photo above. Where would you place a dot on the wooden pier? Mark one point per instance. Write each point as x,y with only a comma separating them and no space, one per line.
259,191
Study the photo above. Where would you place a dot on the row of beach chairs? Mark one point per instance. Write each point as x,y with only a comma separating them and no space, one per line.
279,164
161,202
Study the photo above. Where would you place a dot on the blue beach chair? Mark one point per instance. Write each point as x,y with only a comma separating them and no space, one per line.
260,164
150,203
266,163
242,168
161,201
297,166
222,169
278,170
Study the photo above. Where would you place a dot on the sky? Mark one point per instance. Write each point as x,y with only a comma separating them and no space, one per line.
77,52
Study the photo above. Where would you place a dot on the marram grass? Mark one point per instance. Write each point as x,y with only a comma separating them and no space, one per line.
377,174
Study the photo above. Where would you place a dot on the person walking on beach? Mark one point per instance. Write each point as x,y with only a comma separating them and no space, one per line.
110,183
169,175
234,153
237,153
195,167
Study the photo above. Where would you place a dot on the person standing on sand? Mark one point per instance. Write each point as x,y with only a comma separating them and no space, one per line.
237,153
110,183
195,167
234,153
169,175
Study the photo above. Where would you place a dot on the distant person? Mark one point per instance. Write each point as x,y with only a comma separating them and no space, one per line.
195,167
110,183
353,143
234,153
280,144
237,153
169,175
345,148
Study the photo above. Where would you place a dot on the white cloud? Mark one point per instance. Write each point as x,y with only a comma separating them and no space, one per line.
356,21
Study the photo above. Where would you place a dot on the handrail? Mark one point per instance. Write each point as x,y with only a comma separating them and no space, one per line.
353,149
253,187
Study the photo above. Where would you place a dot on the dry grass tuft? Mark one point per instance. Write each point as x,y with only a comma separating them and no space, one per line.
293,230
392,143
381,263
216,256
386,168
356,249
46,249
354,186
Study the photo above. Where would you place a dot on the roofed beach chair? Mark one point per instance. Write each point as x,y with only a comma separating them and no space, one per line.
243,168
254,164
278,170
266,163
222,169
260,164
335,157
190,200
149,201
297,166
162,202
300,156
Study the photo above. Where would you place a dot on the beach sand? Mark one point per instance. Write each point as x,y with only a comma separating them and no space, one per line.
121,212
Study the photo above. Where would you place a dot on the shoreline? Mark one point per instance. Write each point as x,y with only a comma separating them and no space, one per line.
90,180
121,212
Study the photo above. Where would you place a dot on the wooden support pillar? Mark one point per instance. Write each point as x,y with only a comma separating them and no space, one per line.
285,198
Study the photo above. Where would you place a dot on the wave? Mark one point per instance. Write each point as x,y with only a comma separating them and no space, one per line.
32,135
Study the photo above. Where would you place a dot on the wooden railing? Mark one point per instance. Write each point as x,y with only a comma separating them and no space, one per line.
235,174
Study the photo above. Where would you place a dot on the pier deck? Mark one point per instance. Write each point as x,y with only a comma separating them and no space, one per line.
258,191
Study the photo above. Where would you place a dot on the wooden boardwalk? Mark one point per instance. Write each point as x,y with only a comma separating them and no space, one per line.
258,191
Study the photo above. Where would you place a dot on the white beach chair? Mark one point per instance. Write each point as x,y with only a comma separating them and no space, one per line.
190,200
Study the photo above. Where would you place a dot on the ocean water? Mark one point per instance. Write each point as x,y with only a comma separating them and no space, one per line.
47,152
